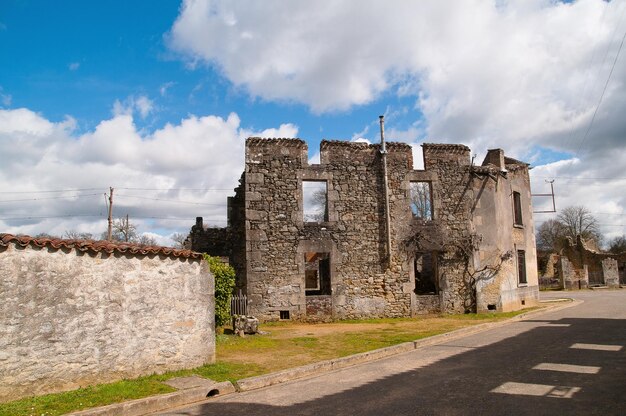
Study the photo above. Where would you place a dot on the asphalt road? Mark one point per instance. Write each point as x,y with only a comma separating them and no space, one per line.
567,362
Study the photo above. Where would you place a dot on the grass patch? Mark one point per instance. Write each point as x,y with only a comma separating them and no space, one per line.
104,394
84,398
285,345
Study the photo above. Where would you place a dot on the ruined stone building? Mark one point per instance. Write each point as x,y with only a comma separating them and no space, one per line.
364,234
579,266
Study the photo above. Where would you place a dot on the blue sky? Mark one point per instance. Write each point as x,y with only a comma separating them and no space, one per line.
160,95
78,59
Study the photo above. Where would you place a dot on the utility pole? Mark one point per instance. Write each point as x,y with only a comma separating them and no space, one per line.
551,194
383,152
109,230
127,227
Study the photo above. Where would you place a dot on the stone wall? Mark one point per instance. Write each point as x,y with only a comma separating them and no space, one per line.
74,313
502,237
271,237
581,266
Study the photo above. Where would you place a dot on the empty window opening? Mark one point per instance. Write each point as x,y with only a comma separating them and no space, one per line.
420,196
317,273
426,275
523,302
315,203
284,314
517,208
521,266
491,307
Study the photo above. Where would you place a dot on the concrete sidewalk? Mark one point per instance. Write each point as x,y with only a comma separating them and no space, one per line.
196,389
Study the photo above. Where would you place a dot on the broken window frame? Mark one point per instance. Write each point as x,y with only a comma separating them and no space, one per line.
522,279
517,209
421,200
310,215
426,283
318,262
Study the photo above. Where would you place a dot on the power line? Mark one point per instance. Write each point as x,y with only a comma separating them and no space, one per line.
51,191
178,219
50,197
178,189
606,84
51,216
577,178
168,200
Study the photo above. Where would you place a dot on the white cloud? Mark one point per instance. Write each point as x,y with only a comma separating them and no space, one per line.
481,71
525,76
5,99
192,167
73,66
164,87
141,104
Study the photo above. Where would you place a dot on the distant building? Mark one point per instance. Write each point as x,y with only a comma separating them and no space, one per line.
363,234
580,265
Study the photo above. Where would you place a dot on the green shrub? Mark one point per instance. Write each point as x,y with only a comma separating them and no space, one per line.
224,284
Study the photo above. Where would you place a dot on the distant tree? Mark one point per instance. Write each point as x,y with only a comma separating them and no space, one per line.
75,235
46,235
316,206
550,235
420,198
577,220
618,245
179,240
123,230
145,240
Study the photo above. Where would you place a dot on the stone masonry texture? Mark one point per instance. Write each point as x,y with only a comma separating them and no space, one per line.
70,318
267,237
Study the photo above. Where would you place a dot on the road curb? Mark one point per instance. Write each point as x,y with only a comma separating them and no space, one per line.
164,402
160,402
266,380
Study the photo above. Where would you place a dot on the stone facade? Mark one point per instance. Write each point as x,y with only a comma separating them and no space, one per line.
579,267
74,313
357,265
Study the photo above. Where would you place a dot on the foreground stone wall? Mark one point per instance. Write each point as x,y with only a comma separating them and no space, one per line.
75,313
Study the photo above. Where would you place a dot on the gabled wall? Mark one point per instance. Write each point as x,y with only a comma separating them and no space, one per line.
501,238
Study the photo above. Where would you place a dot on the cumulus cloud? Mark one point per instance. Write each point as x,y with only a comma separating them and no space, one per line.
480,71
141,104
162,179
526,76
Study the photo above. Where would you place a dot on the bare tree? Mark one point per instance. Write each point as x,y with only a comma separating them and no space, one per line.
577,220
46,235
146,240
75,235
618,245
464,249
124,230
316,204
421,201
179,240
550,235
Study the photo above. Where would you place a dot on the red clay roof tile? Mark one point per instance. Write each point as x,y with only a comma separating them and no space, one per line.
96,246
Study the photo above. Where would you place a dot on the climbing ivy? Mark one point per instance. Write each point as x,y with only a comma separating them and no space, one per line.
224,284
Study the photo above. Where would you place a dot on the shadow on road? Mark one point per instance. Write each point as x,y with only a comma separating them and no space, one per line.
463,384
